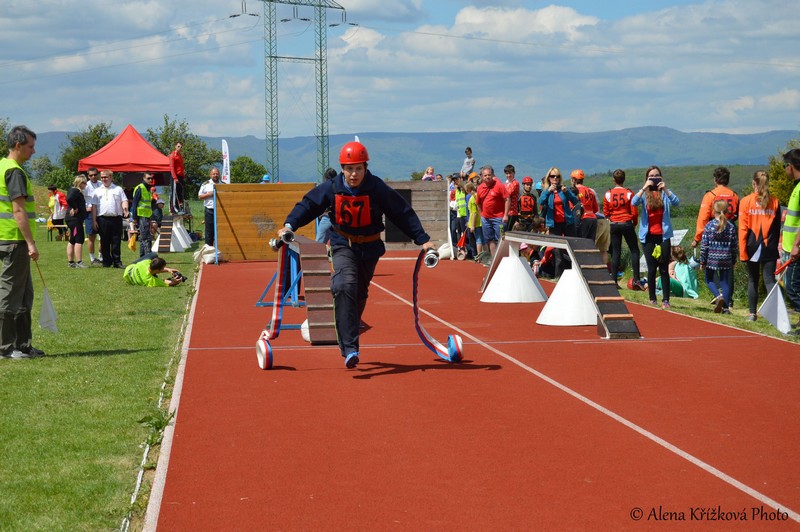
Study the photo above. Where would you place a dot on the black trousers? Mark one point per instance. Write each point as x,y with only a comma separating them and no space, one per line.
560,256
110,230
628,232
765,270
657,266
350,288
176,198
209,223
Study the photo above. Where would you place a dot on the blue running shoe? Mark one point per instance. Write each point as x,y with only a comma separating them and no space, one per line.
351,361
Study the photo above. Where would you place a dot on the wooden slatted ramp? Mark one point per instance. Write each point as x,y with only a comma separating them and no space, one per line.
165,235
614,320
317,287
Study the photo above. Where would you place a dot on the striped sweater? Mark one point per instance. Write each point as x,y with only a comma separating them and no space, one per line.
718,251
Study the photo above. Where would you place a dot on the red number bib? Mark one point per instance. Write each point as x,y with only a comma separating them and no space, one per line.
352,211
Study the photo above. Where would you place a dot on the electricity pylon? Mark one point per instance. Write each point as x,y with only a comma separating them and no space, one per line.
320,61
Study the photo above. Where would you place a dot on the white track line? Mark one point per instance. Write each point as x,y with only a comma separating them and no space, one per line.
616,417
306,346
160,478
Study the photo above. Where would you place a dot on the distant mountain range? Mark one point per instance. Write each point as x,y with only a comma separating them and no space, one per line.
396,155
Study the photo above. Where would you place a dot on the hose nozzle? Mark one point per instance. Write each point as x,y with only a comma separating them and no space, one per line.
285,238
431,258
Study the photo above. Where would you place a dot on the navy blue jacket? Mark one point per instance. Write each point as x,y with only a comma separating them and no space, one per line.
358,212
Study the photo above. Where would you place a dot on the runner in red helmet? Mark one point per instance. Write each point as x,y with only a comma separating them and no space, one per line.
358,201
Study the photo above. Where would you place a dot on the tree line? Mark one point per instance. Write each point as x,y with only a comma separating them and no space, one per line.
199,159
197,156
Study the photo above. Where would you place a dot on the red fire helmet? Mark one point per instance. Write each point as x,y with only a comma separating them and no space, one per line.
353,153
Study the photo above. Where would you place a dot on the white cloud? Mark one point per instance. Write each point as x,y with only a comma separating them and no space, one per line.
784,101
394,11
718,64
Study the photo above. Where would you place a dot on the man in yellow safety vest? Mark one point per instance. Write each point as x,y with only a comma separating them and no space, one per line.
791,226
17,247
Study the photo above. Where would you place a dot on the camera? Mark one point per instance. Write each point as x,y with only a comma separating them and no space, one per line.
178,276
656,181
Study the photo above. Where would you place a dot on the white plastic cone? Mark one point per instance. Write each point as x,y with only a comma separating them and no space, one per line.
181,240
513,282
773,309
569,304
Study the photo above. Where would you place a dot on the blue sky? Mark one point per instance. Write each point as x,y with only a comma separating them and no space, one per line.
406,65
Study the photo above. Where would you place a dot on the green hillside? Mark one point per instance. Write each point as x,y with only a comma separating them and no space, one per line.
688,182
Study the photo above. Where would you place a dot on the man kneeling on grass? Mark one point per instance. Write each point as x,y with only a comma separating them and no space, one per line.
144,272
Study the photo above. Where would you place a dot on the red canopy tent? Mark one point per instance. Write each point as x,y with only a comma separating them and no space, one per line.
128,152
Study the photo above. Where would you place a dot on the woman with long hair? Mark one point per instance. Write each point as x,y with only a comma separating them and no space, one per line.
557,202
759,233
655,230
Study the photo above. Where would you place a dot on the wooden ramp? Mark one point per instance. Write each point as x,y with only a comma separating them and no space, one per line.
614,320
316,271
165,235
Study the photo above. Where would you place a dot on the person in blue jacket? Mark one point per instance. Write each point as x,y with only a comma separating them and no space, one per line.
557,202
655,230
358,201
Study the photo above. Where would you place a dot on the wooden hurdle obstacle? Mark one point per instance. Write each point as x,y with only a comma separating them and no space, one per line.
311,271
614,320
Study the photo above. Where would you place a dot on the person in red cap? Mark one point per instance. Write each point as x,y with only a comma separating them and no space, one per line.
528,207
587,227
358,201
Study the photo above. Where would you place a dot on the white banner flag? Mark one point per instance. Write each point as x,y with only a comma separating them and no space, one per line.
226,163
773,309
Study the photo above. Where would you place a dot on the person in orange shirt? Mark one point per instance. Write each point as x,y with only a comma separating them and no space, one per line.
623,217
720,192
587,228
759,233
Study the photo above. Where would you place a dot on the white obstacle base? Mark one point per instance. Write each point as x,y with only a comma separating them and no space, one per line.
181,241
569,304
576,307
514,282
180,234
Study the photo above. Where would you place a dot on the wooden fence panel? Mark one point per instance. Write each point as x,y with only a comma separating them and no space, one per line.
249,215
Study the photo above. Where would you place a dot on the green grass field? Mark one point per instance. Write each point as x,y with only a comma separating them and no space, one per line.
71,435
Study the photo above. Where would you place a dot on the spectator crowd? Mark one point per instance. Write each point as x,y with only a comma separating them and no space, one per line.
755,230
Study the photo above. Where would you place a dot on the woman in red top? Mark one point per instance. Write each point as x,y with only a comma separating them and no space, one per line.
655,230
557,202
623,217
759,232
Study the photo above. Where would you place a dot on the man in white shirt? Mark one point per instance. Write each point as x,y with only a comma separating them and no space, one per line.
206,194
109,206
91,233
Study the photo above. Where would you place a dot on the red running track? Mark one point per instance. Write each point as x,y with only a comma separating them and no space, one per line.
540,427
